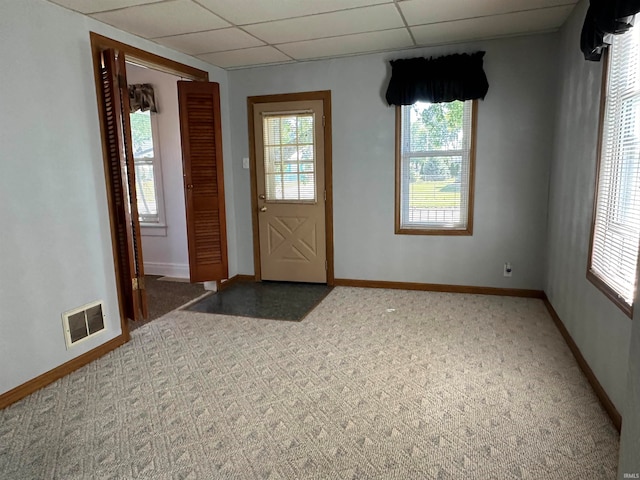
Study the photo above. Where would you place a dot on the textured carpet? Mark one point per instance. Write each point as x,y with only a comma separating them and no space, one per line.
165,295
445,387
270,300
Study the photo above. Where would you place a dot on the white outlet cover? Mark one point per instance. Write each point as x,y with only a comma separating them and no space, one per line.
245,163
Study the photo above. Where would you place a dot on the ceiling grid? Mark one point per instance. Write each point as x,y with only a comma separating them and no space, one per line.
243,33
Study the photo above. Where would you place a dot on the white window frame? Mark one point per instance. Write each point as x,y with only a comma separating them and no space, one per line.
402,197
159,228
613,251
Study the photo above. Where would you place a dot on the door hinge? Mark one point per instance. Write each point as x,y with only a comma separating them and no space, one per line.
326,265
325,195
137,283
323,122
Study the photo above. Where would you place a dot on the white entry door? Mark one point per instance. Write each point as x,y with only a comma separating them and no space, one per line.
291,190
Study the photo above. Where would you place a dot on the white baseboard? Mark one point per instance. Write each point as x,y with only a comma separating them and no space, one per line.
176,270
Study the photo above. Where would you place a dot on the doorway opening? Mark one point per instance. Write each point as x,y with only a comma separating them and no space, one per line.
196,173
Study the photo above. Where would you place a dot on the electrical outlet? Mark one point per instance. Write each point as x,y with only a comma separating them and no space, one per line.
245,163
507,269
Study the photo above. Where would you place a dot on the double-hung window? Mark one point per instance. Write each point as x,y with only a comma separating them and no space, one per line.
146,158
616,220
435,168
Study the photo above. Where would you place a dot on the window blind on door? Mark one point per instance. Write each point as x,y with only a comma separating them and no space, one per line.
616,229
289,157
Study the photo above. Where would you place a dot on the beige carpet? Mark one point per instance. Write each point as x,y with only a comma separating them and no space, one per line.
445,387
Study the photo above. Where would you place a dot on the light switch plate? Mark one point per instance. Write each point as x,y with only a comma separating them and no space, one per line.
245,163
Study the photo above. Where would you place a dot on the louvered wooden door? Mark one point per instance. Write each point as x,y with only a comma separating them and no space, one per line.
121,185
201,134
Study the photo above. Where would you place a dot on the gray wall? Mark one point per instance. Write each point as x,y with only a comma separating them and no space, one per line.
630,439
598,327
55,239
513,152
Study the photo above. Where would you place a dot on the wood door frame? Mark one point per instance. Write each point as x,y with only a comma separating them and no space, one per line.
325,96
100,43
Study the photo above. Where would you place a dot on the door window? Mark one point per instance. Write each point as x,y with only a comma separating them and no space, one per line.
289,157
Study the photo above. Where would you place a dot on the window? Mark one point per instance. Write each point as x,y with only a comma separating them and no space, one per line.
146,159
616,224
434,168
289,157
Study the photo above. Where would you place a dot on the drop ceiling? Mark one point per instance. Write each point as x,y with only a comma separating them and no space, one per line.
243,33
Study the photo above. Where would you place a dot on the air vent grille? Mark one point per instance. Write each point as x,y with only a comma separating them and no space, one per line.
83,322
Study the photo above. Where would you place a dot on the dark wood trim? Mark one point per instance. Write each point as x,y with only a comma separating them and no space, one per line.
96,51
328,184
235,279
100,43
398,168
136,261
254,191
609,292
325,96
472,164
604,399
468,231
437,287
51,376
462,232
151,60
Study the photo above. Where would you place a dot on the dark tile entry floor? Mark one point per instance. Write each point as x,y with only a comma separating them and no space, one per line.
270,300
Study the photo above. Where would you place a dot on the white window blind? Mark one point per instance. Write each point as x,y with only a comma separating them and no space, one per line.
435,165
616,231
147,167
289,157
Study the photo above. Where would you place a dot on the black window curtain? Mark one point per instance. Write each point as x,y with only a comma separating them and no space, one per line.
605,17
142,97
437,80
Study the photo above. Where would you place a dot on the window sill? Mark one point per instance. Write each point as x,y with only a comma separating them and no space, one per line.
610,294
423,231
153,230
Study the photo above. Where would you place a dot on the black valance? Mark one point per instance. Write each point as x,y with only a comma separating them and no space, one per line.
605,17
142,97
437,80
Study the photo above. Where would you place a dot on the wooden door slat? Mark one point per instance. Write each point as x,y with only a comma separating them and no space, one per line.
201,133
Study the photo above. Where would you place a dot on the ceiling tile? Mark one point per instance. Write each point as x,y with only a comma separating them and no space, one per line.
349,44
162,19
380,17
245,57
242,12
211,41
421,12
93,6
489,27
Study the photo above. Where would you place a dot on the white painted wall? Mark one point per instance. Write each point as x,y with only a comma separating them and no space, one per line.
513,152
55,239
598,327
166,255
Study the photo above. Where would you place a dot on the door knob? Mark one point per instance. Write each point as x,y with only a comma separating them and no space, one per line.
263,208
261,196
